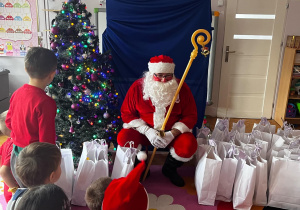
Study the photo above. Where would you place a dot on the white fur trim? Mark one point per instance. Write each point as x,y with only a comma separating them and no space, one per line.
134,123
161,67
176,157
182,127
159,117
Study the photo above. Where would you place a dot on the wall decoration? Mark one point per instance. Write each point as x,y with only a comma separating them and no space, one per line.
18,27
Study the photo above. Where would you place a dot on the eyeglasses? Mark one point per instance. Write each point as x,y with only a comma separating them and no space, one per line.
160,76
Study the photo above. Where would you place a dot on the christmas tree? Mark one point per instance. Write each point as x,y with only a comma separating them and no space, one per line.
82,87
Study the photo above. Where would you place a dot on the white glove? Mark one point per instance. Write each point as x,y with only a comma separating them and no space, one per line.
142,129
168,138
155,139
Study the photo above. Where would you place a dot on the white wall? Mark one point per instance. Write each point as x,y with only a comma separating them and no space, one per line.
17,76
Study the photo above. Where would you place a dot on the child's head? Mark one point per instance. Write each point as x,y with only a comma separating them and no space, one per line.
38,164
95,193
40,63
3,127
46,197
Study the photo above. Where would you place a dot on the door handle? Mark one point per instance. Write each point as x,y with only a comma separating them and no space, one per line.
227,53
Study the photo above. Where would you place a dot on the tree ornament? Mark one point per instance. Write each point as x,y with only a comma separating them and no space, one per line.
71,129
79,77
54,96
89,40
64,66
54,45
79,34
83,14
55,30
87,92
68,95
60,84
84,55
75,107
94,77
78,122
76,88
71,61
106,115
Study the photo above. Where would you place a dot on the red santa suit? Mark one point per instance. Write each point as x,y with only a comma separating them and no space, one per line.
136,112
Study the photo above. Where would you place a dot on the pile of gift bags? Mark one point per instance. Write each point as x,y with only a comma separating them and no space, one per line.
93,165
258,168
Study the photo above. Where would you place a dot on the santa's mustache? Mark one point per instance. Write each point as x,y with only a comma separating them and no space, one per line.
160,93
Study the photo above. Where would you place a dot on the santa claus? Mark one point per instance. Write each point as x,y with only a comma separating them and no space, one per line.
144,110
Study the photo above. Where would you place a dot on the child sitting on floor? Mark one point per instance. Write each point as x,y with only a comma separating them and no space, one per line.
45,197
5,153
125,193
37,164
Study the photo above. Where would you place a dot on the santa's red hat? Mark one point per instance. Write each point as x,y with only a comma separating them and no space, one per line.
161,64
127,193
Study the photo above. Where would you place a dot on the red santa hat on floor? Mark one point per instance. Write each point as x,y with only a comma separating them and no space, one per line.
127,193
161,64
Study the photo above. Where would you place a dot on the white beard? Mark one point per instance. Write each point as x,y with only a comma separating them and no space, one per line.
161,95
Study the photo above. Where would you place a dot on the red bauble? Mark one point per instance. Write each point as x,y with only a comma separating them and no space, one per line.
78,77
55,30
54,45
94,77
60,84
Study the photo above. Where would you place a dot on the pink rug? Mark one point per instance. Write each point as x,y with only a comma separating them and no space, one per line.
164,195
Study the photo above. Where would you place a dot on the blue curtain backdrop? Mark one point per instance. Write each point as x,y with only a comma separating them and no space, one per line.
140,29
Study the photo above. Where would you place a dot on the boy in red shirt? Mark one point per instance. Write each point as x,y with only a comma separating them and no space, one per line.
31,114
5,153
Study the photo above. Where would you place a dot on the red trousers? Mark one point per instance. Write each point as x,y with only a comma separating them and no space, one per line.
182,148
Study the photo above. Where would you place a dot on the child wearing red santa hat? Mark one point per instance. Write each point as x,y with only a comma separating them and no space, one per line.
125,193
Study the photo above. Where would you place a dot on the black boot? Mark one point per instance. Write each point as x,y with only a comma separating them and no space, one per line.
170,170
136,162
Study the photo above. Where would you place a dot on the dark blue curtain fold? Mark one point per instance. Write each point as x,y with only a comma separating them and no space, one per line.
140,29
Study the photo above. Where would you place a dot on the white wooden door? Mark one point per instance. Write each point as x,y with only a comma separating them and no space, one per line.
253,33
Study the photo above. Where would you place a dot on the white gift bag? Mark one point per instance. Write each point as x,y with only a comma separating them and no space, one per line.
202,135
244,185
267,137
248,140
264,126
93,164
124,160
284,186
66,178
239,126
261,184
207,175
221,130
227,174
